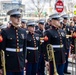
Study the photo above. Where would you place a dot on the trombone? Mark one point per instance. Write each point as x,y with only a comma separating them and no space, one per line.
51,57
3,62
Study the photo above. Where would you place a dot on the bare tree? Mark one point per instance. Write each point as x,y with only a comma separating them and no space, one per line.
39,6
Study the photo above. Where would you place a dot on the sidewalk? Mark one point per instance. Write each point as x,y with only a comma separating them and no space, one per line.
71,60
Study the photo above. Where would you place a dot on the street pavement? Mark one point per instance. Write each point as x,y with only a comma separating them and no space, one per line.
71,67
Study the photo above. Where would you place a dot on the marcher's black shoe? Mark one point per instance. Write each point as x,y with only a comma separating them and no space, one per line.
67,73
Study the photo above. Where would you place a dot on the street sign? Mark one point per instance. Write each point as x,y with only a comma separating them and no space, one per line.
75,6
74,12
59,6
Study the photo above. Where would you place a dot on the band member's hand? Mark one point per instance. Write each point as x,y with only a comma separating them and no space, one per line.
74,56
24,69
0,71
72,46
47,65
65,53
26,61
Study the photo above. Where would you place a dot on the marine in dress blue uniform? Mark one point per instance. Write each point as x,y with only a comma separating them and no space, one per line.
14,44
57,38
67,29
33,44
73,45
40,31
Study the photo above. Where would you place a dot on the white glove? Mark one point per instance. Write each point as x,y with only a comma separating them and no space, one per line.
47,65
74,56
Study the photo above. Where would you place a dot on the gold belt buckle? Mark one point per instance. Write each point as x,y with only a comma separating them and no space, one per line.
61,46
18,50
34,48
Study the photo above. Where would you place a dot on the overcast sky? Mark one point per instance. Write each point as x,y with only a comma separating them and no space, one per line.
23,1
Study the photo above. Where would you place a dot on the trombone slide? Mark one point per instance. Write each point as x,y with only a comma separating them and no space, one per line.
3,62
51,57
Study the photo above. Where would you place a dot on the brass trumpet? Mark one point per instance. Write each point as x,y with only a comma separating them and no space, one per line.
51,57
3,62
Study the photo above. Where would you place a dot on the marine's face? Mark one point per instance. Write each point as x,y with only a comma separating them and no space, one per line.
65,21
56,23
23,25
31,29
72,24
49,22
16,20
41,26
